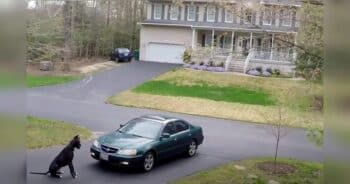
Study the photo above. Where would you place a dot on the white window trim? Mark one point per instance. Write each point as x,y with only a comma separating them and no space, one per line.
214,8
160,6
284,18
227,12
188,13
265,22
172,9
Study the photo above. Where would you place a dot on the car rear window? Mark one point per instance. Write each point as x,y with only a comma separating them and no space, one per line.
123,50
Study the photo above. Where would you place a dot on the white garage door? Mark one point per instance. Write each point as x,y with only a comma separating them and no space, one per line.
167,53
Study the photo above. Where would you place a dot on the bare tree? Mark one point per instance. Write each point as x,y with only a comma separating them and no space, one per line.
67,16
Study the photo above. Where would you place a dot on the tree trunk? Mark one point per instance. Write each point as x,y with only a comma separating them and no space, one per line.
108,12
67,14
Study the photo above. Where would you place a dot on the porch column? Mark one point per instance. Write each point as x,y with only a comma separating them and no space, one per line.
272,45
251,41
194,42
212,42
295,54
212,39
232,41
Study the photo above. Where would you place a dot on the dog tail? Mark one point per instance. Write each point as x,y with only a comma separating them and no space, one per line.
45,173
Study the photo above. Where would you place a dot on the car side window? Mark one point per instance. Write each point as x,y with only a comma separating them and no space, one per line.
170,128
181,126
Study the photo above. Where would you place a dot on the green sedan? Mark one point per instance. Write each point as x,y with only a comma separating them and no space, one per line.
143,141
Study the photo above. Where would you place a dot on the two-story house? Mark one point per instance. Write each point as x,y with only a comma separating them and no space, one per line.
261,30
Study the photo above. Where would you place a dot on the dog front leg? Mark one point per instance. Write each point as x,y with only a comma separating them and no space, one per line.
72,171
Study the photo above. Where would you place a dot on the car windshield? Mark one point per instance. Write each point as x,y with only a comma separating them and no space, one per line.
142,128
123,50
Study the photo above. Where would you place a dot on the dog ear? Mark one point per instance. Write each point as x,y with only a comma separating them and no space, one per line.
77,137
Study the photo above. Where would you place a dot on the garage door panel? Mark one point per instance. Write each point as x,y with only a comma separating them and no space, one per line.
161,52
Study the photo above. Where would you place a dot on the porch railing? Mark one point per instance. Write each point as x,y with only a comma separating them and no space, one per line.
273,56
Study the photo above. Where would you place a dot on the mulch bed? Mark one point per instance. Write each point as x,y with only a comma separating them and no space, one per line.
281,168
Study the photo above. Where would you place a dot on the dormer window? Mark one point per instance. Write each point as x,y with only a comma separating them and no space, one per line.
267,16
191,13
211,11
174,12
286,18
157,11
228,16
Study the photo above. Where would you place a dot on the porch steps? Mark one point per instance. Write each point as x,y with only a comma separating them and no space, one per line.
236,65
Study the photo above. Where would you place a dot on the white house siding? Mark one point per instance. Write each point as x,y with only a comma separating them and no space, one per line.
149,11
163,35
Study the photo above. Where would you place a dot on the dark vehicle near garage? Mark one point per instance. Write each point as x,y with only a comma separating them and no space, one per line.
143,141
121,54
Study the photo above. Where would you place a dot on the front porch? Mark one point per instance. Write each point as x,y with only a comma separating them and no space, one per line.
269,46
240,48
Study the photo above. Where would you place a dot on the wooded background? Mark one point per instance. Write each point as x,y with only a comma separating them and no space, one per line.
86,28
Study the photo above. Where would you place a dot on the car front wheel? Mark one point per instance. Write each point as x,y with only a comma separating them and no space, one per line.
148,162
192,148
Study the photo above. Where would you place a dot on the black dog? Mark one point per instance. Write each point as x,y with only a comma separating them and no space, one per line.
64,158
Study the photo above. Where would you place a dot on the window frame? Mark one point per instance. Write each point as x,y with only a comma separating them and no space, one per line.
155,11
172,9
229,12
284,17
168,124
214,13
248,13
266,21
188,13
179,121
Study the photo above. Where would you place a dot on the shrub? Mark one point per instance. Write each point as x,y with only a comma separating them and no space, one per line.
269,70
276,72
259,69
187,56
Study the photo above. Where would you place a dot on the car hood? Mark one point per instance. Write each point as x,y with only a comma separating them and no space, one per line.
122,140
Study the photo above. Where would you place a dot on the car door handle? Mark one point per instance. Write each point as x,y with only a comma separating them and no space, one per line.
175,139
189,134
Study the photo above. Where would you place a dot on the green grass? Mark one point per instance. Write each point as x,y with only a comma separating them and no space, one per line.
306,172
217,93
36,81
42,133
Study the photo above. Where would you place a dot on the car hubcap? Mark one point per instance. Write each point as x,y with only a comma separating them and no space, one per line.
192,148
149,160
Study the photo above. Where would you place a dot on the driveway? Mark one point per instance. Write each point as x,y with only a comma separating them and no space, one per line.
82,102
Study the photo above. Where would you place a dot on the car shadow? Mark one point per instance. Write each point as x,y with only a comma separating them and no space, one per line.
118,169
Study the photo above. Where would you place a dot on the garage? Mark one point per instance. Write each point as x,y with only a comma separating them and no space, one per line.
165,52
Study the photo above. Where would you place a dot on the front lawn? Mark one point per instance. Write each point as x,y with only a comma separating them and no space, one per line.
247,172
228,96
205,91
45,80
43,133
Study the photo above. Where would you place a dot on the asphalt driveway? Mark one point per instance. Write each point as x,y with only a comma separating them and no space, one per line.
82,102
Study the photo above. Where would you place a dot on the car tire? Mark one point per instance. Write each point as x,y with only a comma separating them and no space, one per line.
192,148
148,162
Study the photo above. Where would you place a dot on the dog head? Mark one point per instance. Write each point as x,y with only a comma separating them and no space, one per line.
76,142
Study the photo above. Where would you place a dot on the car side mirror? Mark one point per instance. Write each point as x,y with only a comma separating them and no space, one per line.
121,125
165,136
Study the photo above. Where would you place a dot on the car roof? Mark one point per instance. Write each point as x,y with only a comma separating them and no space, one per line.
160,118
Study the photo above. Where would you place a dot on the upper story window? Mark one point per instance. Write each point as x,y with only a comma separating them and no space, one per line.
228,16
157,14
174,12
248,17
211,11
286,17
191,13
267,16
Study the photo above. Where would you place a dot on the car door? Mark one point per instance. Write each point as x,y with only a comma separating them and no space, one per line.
167,146
183,135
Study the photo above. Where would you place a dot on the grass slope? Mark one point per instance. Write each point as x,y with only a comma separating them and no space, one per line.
43,133
45,80
248,173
